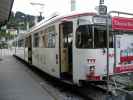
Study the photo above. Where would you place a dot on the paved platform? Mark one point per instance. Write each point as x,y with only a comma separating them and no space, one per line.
17,84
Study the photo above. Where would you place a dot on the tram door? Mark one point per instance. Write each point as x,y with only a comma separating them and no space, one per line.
65,50
29,50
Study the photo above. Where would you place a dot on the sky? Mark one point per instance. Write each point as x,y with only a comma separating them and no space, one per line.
63,6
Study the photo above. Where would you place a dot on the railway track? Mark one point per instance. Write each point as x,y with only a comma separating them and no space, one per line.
64,91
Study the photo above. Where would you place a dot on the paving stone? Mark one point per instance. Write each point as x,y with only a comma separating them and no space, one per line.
17,84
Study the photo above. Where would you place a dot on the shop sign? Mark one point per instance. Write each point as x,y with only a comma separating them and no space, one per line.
121,23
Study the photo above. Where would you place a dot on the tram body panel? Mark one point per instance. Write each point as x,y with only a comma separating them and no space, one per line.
87,58
45,59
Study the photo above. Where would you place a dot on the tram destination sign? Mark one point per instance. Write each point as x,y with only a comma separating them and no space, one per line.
99,20
122,23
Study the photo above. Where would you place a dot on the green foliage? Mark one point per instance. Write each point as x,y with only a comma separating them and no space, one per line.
20,20
3,33
3,45
6,35
129,87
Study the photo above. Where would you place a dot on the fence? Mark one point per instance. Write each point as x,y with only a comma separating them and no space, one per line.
6,52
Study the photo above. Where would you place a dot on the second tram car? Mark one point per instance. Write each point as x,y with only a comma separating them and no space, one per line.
74,47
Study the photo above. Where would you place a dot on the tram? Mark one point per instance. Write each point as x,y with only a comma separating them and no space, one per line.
73,47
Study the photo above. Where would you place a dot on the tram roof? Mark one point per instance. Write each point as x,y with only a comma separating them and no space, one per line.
60,18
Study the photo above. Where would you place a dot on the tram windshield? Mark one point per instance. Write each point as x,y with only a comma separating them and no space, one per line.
88,36
84,38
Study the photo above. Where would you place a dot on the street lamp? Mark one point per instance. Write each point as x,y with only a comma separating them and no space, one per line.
41,8
101,2
73,5
102,8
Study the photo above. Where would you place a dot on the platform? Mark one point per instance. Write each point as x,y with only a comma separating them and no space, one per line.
17,84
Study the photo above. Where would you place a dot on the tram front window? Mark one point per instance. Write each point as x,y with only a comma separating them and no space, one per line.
85,37
100,37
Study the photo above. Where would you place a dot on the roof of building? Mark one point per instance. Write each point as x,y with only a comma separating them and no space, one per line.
5,10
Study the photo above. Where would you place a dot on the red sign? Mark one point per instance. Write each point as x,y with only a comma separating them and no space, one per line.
126,58
121,23
123,69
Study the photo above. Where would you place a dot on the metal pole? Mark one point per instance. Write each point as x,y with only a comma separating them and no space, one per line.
107,22
0,44
115,51
93,36
93,27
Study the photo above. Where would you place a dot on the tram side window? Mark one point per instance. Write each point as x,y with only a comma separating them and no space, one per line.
45,38
100,38
51,37
84,37
51,40
36,40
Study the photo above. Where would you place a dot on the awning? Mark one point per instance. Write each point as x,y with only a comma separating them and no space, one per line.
5,10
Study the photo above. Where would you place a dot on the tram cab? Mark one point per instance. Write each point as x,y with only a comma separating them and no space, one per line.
83,50
90,49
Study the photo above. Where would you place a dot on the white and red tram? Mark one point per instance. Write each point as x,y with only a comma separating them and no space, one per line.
74,48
